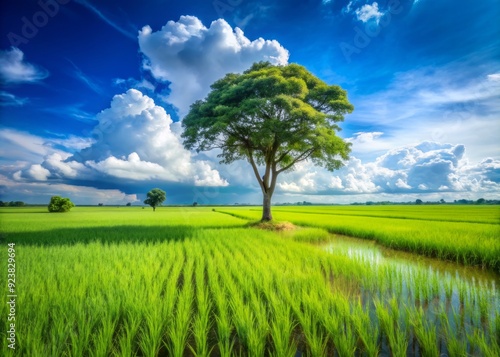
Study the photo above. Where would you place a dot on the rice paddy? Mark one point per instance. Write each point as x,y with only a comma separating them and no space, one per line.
466,235
197,282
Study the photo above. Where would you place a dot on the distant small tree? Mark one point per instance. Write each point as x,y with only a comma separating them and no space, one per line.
15,204
129,204
442,200
195,204
100,204
481,201
60,204
419,201
155,197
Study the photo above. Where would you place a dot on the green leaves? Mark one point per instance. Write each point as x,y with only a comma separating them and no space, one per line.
155,197
273,116
269,110
60,204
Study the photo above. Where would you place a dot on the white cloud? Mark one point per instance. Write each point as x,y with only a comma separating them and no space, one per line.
494,77
368,12
130,168
25,147
133,140
401,184
430,104
365,137
424,168
336,183
8,99
18,145
192,56
13,68
44,190
56,164
38,173
368,142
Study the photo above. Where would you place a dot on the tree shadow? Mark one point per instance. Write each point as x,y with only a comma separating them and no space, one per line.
104,235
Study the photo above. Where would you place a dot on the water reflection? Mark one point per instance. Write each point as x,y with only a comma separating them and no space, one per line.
463,302
375,254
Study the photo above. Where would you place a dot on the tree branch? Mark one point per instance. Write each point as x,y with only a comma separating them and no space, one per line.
255,170
301,157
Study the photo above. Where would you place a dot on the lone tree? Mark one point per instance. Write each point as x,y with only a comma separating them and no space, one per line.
273,117
60,204
155,198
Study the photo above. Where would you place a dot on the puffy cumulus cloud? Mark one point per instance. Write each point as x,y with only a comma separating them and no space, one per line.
56,164
371,142
26,191
423,168
365,137
38,172
131,167
368,12
13,68
133,140
191,56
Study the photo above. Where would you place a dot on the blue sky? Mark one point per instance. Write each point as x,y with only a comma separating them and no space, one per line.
92,95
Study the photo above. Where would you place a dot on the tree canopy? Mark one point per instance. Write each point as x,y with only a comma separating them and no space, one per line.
273,117
155,197
60,204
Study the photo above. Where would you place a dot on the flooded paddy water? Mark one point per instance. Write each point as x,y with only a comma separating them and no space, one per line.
453,305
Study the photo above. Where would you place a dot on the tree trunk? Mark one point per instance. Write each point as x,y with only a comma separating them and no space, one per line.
266,208
154,208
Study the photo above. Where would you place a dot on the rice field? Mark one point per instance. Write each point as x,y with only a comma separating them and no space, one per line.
464,234
197,282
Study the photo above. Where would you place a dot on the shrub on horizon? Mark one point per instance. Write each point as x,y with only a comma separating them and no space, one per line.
60,204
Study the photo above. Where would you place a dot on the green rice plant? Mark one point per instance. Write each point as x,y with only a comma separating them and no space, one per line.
151,332
425,333
201,323
224,330
243,320
367,331
338,324
495,328
264,293
103,339
314,335
129,331
489,348
282,328
311,235
80,332
456,345
222,318
179,329
464,242
396,337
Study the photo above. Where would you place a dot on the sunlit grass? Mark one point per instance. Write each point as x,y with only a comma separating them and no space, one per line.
460,241
207,284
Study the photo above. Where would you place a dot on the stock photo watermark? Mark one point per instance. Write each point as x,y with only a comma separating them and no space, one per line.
363,37
221,7
31,25
11,296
